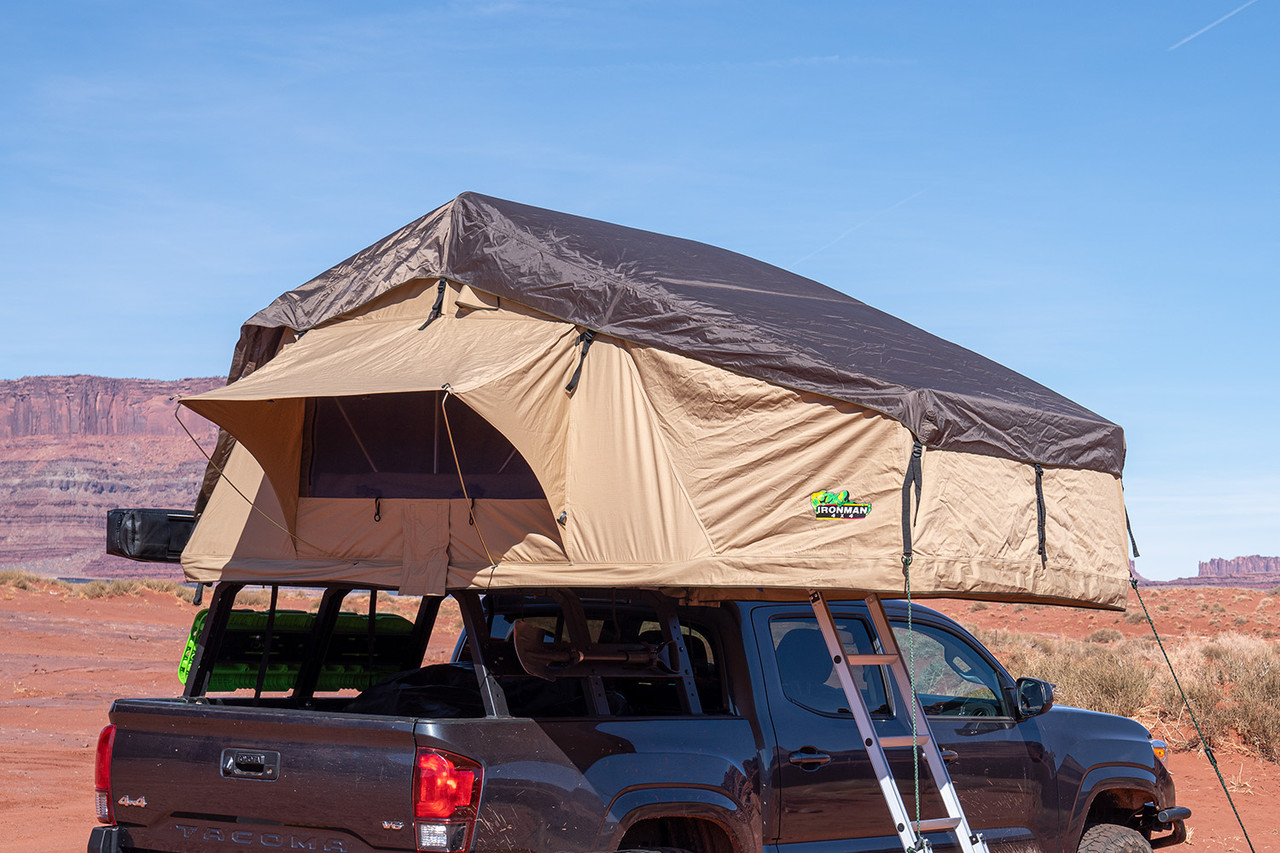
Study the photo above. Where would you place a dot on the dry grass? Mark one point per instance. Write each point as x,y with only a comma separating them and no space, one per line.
93,589
1231,681
115,589
26,580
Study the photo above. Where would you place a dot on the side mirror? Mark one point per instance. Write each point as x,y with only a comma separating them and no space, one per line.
1034,697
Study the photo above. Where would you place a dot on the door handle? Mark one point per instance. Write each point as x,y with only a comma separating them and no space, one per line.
949,755
809,758
251,764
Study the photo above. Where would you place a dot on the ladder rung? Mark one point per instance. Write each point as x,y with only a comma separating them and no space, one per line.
940,824
870,660
903,740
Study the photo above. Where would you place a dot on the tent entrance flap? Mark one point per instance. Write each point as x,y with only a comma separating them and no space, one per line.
396,446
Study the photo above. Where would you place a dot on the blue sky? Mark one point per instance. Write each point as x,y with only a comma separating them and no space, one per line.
1086,192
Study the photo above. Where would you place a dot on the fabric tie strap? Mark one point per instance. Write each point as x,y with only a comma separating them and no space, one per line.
585,339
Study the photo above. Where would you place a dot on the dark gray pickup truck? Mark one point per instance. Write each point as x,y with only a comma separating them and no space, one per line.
599,721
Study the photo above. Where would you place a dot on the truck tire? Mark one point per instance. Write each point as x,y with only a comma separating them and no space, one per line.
1110,838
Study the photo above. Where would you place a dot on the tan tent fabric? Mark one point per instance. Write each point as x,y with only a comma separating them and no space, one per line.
243,520
658,471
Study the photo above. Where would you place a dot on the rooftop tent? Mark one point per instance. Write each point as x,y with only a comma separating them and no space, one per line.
730,429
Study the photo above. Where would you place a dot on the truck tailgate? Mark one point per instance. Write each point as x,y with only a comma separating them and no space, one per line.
198,777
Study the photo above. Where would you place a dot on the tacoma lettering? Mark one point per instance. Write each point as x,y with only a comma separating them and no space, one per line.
269,840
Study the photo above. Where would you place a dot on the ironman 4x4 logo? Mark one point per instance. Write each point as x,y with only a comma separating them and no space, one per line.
838,505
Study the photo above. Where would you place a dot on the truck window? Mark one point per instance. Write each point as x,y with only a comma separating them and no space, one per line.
808,675
630,690
952,678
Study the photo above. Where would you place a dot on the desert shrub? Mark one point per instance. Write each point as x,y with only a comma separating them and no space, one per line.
1104,635
175,588
17,579
1231,683
118,588
1133,617
108,589
1087,675
1248,671
1163,608
979,605
254,599
1102,679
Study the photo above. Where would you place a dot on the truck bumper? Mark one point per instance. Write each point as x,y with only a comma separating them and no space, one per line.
107,839
1171,818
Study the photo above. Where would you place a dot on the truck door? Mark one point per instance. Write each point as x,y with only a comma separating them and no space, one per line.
827,788
999,767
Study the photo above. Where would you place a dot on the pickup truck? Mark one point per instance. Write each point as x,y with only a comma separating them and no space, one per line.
598,720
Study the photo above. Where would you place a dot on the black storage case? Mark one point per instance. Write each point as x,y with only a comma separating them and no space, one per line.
149,535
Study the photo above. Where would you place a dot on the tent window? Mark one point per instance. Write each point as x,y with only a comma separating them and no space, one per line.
396,446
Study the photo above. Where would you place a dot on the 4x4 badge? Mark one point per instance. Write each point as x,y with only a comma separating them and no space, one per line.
141,802
838,505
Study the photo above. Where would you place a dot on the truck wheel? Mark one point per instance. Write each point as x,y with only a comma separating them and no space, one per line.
1110,838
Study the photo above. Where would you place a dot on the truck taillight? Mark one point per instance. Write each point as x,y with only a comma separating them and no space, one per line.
102,775
446,797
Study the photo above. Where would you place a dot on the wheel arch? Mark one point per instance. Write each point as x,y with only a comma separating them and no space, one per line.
697,820
1112,799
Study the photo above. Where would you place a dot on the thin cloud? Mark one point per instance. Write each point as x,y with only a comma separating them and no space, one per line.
872,218
1214,24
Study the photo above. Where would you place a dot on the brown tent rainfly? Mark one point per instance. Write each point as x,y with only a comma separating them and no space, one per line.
501,396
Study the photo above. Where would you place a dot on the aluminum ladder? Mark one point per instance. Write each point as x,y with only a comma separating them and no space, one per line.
910,833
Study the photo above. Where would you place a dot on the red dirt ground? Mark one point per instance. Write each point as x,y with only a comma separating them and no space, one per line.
63,659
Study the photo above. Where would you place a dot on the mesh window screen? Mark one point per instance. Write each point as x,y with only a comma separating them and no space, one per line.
396,446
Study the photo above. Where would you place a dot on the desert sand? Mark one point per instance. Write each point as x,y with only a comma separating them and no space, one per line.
63,659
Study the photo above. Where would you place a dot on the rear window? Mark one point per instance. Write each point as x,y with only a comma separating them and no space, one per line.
630,666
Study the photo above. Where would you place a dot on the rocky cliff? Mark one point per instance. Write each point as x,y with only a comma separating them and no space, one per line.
72,447
1252,565
1254,572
